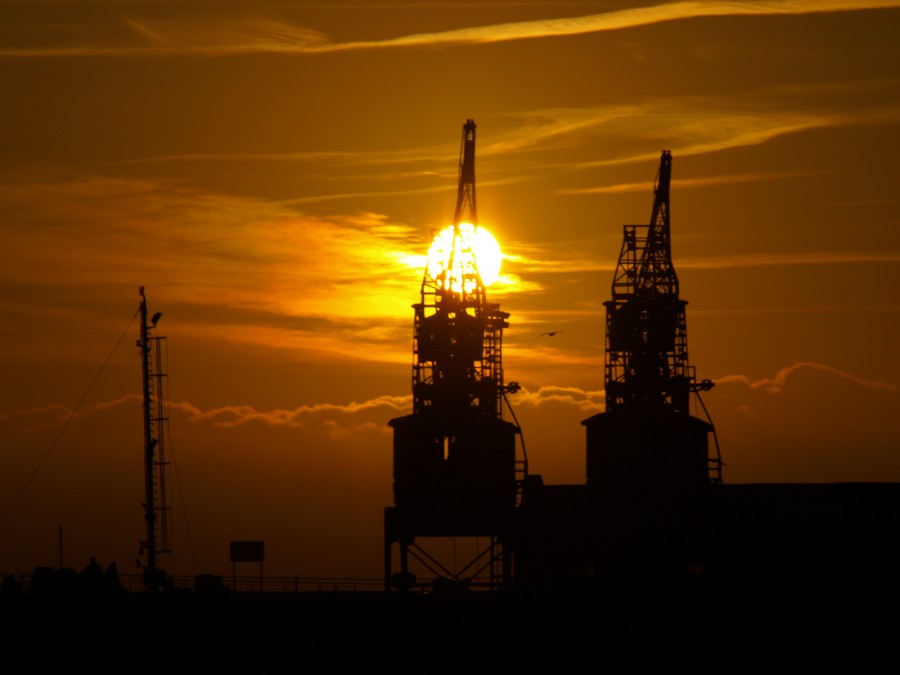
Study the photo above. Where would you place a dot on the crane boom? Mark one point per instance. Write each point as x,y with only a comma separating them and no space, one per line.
466,211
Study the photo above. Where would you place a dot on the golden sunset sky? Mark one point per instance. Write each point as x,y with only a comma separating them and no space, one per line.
272,173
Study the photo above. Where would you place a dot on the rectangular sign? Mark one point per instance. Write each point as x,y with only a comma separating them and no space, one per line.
248,551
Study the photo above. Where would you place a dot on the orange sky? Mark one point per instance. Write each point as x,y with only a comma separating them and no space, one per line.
272,176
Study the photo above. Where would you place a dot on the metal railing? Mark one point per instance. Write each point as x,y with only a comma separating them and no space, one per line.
257,584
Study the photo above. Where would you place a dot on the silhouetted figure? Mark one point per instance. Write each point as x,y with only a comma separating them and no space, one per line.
93,569
111,579
92,577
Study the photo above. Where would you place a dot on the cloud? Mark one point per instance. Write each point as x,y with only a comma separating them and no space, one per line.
620,134
265,271
205,36
250,271
550,263
56,410
312,480
789,259
549,143
589,401
687,183
186,35
778,383
809,422
331,417
224,35
703,126
234,416
697,125
610,21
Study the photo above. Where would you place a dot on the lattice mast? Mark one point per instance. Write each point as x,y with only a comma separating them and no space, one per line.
458,333
646,327
156,505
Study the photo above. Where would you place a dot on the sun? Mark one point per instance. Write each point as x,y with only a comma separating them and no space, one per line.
463,250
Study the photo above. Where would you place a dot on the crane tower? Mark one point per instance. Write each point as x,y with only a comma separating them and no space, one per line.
455,464
648,459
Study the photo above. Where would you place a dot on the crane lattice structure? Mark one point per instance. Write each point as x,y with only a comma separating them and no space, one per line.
646,325
458,360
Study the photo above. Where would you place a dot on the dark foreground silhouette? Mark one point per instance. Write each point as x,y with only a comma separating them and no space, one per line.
747,624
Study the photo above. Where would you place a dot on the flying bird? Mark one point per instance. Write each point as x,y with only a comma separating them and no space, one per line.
551,333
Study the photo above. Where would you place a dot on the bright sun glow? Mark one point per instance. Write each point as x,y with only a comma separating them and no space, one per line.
473,249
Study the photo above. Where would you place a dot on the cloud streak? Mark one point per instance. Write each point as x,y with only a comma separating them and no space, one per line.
326,415
789,259
778,383
772,259
612,21
687,183
239,415
528,149
260,263
590,401
144,37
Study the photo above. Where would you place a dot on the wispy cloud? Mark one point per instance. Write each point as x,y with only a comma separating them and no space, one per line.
229,34
610,21
264,271
534,264
695,129
557,144
239,415
268,243
687,183
573,396
250,271
222,36
617,20
326,415
186,35
695,124
844,310
779,381
789,259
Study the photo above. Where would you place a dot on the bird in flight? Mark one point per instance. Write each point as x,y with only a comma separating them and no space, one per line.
551,333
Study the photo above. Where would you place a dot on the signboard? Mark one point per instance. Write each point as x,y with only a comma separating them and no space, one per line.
248,551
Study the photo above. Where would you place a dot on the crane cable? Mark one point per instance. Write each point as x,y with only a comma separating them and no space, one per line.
68,421
718,460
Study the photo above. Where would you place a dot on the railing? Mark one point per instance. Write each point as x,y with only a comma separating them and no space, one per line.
256,584
75,584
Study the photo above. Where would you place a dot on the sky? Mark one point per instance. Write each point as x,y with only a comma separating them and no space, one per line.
272,174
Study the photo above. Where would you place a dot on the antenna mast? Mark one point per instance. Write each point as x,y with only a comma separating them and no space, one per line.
156,507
